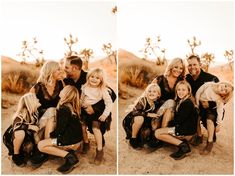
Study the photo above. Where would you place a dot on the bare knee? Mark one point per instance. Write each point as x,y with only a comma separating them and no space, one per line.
41,145
209,122
19,134
139,120
157,133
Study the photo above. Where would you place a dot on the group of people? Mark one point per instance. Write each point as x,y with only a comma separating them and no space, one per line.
173,106
53,118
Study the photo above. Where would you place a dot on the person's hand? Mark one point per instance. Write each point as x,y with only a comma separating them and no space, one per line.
152,115
102,118
33,128
205,104
217,128
89,110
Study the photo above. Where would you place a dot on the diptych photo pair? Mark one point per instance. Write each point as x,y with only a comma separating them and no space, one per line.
117,87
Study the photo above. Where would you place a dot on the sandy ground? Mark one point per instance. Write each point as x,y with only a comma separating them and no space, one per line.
108,166
146,161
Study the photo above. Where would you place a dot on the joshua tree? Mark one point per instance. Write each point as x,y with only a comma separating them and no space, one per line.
207,59
193,44
152,48
30,50
107,48
85,54
229,56
70,41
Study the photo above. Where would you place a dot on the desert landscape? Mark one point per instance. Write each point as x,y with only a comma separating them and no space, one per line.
148,161
9,105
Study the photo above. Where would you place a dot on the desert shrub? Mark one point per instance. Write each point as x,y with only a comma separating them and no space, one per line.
19,79
138,74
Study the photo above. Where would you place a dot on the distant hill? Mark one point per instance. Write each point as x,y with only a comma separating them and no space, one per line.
8,60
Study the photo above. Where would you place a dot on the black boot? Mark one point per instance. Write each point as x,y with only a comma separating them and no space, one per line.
181,153
134,143
18,159
70,162
38,158
155,143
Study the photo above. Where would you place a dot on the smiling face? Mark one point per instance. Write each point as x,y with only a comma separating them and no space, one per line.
182,91
58,74
224,89
94,80
177,69
194,67
152,93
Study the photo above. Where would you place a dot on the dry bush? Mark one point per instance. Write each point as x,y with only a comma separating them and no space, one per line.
138,74
18,79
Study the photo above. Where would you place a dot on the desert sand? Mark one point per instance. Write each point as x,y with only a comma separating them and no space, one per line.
85,166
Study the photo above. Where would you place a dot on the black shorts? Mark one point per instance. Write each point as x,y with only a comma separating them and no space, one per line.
208,114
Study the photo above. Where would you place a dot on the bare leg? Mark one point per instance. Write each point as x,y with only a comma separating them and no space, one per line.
167,117
162,134
210,129
46,146
97,134
199,129
138,122
18,140
50,126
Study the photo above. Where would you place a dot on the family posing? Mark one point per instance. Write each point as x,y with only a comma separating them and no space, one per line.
53,118
173,107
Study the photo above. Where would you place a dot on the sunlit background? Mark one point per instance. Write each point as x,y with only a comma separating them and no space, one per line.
211,22
92,22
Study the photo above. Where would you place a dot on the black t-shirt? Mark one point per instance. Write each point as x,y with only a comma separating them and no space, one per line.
202,78
78,84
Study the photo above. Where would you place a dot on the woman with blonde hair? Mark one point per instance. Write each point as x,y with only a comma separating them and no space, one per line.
174,73
67,135
47,89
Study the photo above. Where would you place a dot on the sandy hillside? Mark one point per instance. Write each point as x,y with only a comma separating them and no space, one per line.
147,161
85,165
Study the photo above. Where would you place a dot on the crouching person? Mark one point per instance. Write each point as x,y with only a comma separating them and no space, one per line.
66,137
184,123
23,132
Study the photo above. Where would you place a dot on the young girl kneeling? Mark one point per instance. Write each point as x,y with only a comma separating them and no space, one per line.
184,123
68,131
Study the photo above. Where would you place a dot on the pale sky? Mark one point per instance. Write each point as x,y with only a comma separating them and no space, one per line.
210,21
50,21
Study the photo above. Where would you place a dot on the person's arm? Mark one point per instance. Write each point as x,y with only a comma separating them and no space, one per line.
108,105
199,94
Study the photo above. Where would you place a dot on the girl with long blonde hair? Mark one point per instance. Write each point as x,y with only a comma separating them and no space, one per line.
67,135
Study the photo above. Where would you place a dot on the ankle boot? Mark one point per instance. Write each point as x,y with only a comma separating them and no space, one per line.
85,148
18,159
99,156
207,149
182,151
70,162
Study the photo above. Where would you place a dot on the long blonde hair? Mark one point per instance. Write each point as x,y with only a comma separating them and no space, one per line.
70,96
228,96
101,74
47,71
171,66
189,96
27,110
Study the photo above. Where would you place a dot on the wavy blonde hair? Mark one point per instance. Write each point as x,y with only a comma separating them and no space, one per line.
27,110
228,96
171,66
100,73
47,71
71,98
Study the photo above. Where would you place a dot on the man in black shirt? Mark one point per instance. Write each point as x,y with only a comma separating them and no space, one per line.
196,78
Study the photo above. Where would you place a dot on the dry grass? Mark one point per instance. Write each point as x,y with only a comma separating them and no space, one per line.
18,78
137,74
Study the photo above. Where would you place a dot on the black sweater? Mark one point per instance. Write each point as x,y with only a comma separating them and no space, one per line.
68,127
185,120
